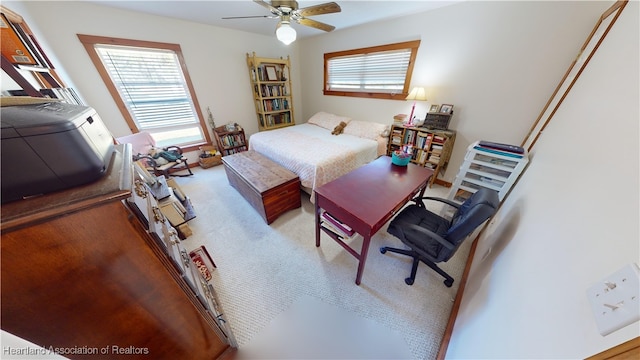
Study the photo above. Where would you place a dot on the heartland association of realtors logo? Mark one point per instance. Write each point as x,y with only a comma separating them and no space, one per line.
75,350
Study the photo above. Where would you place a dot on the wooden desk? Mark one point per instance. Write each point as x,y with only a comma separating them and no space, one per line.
368,197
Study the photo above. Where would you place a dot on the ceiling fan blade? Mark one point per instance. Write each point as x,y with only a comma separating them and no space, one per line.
249,17
268,6
315,24
320,9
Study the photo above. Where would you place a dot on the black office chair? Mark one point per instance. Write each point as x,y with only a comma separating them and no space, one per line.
433,239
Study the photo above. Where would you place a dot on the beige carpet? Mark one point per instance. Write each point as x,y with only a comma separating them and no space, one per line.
266,271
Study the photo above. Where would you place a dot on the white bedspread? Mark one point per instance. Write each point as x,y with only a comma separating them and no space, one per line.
311,152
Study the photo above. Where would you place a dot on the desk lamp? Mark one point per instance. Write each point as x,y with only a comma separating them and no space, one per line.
416,94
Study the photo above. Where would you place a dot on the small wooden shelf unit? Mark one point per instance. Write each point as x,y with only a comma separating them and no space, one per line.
230,142
431,148
271,84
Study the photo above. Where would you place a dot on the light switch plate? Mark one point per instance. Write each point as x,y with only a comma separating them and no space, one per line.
615,300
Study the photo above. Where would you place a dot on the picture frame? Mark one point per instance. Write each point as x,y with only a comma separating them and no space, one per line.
270,71
203,262
434,108
446,108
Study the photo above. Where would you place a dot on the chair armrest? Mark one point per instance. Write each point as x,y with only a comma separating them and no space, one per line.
419,201
429,233
173,147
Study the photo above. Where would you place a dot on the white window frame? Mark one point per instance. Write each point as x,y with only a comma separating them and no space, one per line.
187,128
382,72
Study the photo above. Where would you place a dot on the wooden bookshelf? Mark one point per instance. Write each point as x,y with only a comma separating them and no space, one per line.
430,148
230,141
271,84
24,60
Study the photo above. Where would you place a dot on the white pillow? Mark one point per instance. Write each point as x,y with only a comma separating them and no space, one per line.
365,129
327,121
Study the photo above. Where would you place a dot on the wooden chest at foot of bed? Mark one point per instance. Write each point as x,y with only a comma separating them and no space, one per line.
271,189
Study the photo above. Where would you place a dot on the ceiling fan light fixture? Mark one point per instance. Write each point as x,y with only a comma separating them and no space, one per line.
285,33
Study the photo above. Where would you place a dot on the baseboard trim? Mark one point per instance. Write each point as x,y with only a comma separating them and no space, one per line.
442,183
627,350
446,338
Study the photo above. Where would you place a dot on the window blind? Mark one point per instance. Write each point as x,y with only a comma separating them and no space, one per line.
152,86
383,72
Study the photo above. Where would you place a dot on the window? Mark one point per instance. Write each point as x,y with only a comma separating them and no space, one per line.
150,84
382,72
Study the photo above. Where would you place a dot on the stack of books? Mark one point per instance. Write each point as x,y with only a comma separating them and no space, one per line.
399,119
500,149
396,137
337,227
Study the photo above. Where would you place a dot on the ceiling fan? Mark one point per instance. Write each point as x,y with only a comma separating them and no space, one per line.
288,11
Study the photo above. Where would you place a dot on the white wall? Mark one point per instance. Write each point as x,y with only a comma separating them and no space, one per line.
215,57
571,221
496,62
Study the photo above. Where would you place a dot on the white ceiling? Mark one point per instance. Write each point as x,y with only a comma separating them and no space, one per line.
354,12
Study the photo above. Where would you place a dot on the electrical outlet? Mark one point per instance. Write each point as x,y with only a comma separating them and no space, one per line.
615,300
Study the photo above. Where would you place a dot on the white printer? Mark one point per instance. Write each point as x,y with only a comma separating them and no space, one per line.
49,147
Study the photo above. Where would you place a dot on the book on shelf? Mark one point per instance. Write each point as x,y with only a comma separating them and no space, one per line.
499,146
396,136
15,48
498,152
491,181
407,137
424,140
422,157
327,226
339,225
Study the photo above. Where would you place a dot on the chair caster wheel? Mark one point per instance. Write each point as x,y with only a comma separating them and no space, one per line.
408,281
383,250
448,283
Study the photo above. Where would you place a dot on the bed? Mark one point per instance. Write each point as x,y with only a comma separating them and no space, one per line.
317,156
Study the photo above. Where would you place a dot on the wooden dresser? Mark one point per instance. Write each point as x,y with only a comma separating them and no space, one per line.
97,272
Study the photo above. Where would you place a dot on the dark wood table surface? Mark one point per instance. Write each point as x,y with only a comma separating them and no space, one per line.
366,198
